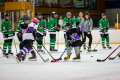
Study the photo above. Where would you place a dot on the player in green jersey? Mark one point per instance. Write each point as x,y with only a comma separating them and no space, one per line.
104,26
65,20
8,34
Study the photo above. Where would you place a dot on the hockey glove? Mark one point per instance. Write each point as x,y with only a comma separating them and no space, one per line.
106,29
6,35
39,41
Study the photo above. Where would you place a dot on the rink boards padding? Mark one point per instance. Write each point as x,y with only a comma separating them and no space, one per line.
114,37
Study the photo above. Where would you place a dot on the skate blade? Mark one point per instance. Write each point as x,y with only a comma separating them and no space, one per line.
32,59
66,59
77,60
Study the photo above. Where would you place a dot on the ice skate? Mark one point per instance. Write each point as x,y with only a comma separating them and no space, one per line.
67,58
109,47
18,57
76,58
103,46
10,55
53,50
33,58
80,49
40,50
89,49
84,47
5,55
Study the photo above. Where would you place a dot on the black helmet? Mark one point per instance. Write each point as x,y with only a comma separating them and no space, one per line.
39,14
6,14
87,13
103,14
68,24
25,17
53,14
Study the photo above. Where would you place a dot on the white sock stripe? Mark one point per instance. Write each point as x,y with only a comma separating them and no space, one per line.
26,49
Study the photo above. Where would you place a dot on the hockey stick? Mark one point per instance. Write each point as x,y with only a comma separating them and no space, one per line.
16,52
99,41
60,56
112,58
50,54
41,56
98,60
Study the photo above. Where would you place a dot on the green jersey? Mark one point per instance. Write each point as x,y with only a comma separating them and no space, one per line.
7,28
41,24
18,27
103,24
78,20
70,20
52,24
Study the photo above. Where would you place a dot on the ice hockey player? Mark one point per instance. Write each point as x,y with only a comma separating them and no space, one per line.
87,25
78,20
8,34
104,26
73,40
29,36
22,26
41,30
52,28
68,19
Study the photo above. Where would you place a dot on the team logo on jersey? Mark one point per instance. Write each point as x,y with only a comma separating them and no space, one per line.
104,25
41,26
10,28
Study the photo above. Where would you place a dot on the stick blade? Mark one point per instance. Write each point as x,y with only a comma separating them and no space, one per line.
55,60
94,50
110,58
98,60
47,60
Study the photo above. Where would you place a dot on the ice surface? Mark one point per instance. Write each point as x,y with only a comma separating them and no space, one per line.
87,69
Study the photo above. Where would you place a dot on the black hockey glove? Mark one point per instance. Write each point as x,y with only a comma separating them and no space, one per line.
44,33
39,41
6,35
106,29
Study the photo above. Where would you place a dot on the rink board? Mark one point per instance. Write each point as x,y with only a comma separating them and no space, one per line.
114,37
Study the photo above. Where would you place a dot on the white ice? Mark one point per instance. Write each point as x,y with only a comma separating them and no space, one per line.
87,69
